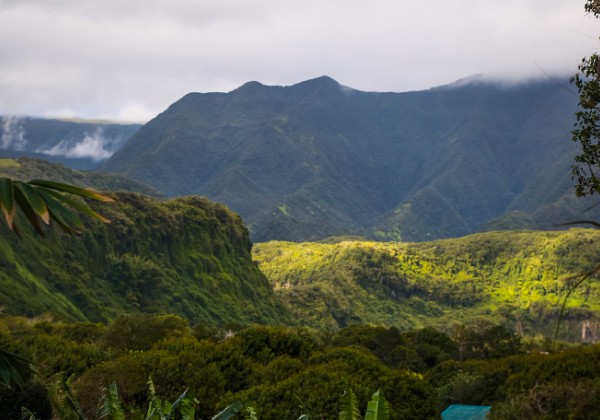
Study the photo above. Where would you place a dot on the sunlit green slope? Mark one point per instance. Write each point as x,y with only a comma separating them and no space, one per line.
510,277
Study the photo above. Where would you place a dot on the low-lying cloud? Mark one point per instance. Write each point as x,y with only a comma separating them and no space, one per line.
92,146
131,59
13,134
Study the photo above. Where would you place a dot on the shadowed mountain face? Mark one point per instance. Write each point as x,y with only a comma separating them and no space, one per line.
318,159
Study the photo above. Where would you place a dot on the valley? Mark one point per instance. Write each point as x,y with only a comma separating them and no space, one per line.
419,251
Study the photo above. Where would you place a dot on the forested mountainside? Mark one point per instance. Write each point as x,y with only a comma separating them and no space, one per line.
186,256
516,279
318,159
192,257
79,144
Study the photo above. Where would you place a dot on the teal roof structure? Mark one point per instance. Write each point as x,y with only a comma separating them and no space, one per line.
466,412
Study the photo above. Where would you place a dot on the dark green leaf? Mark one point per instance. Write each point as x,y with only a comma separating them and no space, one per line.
229,412
7,202
71,189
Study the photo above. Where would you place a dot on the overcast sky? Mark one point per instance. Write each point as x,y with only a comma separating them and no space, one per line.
130,59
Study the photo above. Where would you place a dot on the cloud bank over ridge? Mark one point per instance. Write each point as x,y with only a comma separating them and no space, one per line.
130,60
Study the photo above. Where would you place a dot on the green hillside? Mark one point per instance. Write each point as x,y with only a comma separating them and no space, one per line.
185,256
26,169
512,278
318,159
192,257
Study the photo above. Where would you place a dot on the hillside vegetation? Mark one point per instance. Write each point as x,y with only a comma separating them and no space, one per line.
318,159
26,169
511,278
192,257
186,256
282,373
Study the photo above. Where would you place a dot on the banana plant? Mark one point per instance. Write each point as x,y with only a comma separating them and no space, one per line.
377,408
64,402
229,411
111,404
164,410
348,406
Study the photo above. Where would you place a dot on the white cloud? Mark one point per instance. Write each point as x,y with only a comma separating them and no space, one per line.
131,58
92,146
13,133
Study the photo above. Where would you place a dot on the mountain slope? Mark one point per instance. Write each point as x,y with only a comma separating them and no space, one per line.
318,159
26,169
187,256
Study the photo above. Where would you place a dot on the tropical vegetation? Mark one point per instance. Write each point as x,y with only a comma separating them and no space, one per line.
283,372
518,279
186,256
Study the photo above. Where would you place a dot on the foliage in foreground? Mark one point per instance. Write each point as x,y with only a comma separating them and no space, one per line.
287,372
41,202
587,131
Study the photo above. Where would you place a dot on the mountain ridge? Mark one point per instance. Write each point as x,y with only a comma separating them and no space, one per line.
75,142
317,159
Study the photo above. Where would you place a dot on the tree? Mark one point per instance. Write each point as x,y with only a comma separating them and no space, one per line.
587,134
587,131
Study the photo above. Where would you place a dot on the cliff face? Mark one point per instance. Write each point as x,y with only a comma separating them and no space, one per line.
187,256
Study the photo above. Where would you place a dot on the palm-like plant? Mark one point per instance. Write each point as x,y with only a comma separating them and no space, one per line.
182,408
45,201
12,368
41,202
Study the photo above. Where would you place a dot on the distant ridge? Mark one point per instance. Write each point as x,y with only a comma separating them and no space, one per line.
74,142
319,159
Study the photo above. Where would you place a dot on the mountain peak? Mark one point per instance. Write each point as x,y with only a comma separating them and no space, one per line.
318,84
325,83
252,86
